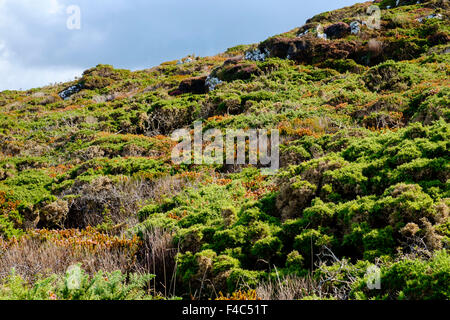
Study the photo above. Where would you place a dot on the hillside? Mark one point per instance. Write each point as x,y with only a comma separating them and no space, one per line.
86,176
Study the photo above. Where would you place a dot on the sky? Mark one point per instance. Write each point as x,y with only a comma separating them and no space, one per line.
49,41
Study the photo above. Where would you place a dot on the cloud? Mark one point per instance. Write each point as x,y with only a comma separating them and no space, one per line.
20,78
24,41
37,48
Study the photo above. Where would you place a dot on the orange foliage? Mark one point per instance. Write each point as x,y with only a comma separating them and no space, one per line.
260,192
256,189
6,204
299,128
223,182
219,118
88,239
59,169
176,216
191,175
239,295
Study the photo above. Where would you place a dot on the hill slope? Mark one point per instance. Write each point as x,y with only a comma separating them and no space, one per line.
86,174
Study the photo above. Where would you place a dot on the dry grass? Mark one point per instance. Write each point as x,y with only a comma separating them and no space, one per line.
157,256
289,288
118,202
33,258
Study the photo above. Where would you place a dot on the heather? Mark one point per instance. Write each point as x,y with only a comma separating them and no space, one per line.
87,183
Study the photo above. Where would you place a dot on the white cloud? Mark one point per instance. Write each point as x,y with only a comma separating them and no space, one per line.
37,48
55,7
16,76
16,20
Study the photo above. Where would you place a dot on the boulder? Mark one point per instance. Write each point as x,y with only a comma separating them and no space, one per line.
212,82
257,54
355,27
68,92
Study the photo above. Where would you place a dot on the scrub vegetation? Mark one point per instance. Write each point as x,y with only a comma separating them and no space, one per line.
92,207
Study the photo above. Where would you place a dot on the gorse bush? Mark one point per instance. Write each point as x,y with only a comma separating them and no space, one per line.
410,280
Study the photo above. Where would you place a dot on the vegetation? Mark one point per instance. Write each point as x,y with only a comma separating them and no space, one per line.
88,191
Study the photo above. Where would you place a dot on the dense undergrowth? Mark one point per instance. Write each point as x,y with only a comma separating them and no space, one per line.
87,183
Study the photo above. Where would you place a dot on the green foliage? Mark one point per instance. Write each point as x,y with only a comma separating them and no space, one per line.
77,285
241,278
410,280
267,247
311,240
343,66
8,226
392,76
364,161
28,187
294,262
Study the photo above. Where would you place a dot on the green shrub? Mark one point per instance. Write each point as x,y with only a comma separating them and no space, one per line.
267,248
77,285
411,280
240,278
392,76
378,242
295,262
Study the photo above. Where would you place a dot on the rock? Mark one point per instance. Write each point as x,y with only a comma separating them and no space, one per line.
185,60
337,30
304,33
322,35
212,82
320,32
355,27
257,55
307,29
431,16
70,91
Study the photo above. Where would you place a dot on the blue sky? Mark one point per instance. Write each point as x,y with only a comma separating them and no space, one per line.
37,48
